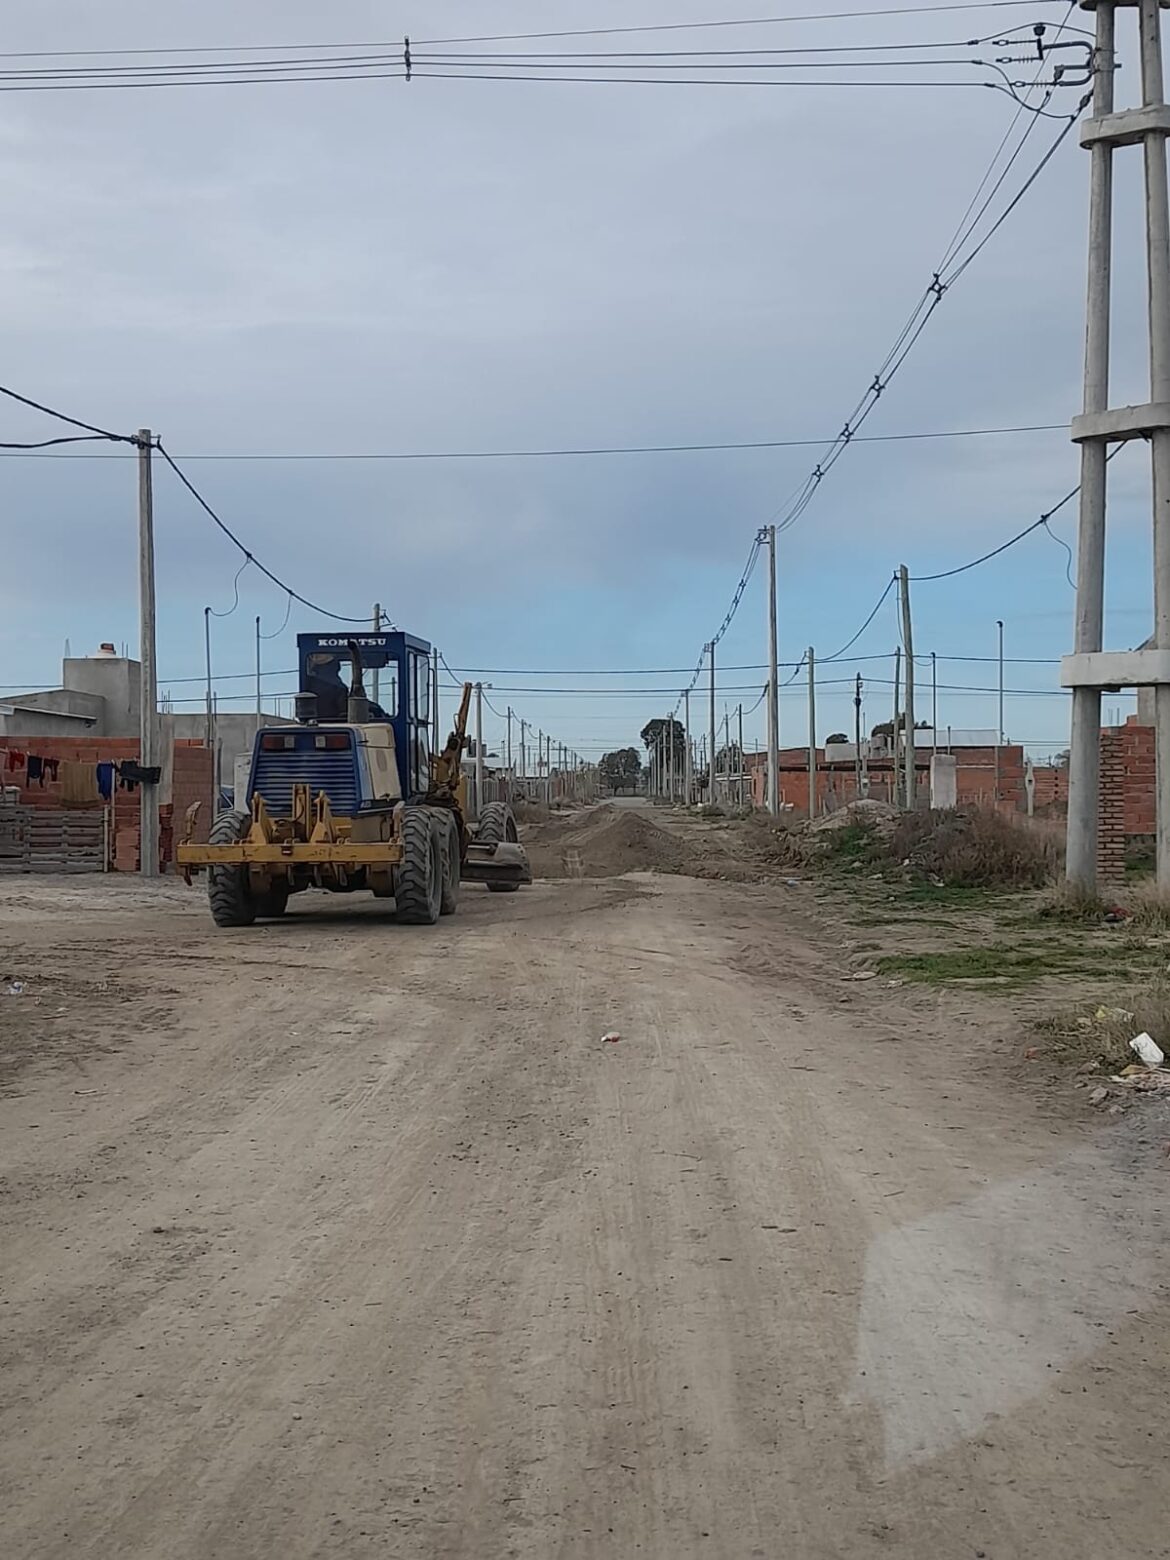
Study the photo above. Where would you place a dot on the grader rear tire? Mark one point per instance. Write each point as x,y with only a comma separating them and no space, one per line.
418,886
449,838
497,825
228,891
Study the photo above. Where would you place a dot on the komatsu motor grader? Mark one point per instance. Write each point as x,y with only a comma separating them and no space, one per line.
351,797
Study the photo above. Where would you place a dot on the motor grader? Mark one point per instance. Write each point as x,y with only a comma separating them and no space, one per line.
351,798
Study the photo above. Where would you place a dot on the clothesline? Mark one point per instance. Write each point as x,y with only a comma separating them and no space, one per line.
80,782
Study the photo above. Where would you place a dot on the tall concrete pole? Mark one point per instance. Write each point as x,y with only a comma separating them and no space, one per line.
436,729
148,722
773,699
812,733
711,733
1158,275
999,726
208,723
687,775
857,735
374,670
742,765
933,704
523,750
478,749
910,777
1084,778
509,760
259,708
895,787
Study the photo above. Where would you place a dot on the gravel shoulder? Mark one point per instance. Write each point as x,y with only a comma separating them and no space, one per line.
334,1236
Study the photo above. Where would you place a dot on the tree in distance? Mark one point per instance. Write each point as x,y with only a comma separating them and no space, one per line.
621,770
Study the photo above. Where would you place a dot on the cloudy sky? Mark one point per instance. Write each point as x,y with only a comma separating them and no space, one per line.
376,266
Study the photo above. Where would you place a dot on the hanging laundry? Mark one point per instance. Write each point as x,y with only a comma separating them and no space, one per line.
104,775
15,760
51,767
132,773
79,786
36,770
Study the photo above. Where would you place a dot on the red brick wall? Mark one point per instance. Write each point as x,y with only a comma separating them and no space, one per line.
192,780
1111,818
837,784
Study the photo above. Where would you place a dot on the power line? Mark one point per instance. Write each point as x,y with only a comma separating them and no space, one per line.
71,438
49,411
585,450
750,21
588,32
848,645
946,574
249,557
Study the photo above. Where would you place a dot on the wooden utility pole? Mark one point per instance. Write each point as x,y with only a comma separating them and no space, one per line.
148,723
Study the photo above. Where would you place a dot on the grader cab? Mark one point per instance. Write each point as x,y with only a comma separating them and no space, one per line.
351,798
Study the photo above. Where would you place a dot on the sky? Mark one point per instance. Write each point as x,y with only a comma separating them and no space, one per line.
447,265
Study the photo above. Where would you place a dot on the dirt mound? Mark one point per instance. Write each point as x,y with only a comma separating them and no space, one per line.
867,811
604,843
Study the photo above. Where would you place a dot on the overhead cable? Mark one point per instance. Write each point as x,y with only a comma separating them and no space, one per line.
249,557
585,32
586,450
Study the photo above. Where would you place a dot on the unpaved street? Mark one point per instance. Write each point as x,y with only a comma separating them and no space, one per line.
338,1237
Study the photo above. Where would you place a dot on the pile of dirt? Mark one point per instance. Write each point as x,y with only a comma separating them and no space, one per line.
866,811
604,843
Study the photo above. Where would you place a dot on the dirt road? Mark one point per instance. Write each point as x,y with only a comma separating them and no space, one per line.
336,1237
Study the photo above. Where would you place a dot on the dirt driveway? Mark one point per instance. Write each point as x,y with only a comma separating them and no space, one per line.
337,1237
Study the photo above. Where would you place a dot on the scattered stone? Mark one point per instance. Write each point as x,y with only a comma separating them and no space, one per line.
1098,1096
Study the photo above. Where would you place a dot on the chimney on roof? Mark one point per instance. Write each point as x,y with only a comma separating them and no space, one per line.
104,652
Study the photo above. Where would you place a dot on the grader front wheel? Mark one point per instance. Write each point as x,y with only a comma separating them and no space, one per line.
418,886
228,891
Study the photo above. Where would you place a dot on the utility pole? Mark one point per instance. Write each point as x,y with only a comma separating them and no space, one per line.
726,755
377,630
895,786
999,728
711,742
548,771
687,775
478,749
910,776
933,703
509,739
773,696
742,765
259,710
148,723
812,734
1090,670
436,729
207,665
523,751
857,735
